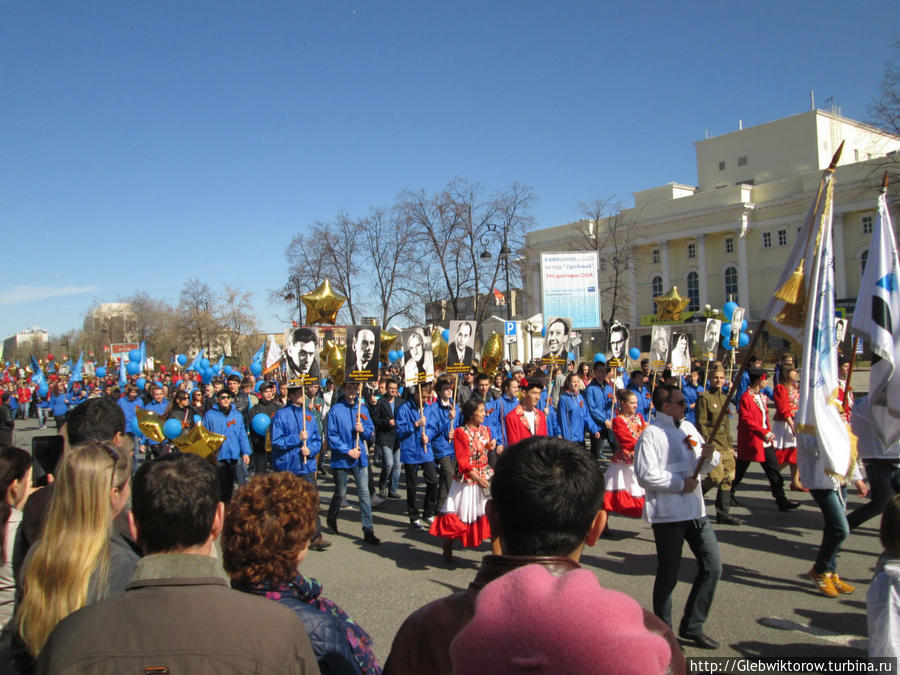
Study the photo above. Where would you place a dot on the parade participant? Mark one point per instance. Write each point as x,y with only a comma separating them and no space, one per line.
7,420
482,391
692,389
129,405
709,406
843,390
573,418
268,406
664,460
496,390
296,445
636,384
23,394
182,411
384,418
262,559
882,465
416,453
754,443
159,406
504,405
443,417
348,429
527,420
59,403
198,401
584,372
600,397
462,516
623,494
787,400
239,399
883,596
43,407
223,418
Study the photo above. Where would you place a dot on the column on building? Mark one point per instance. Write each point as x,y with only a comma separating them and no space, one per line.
840,262
701,268
743,268
664,260
632,288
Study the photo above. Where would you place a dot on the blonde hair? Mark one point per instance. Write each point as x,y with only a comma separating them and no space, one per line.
74,541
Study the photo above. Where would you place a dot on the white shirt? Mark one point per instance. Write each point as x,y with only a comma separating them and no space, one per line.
529,419
883,610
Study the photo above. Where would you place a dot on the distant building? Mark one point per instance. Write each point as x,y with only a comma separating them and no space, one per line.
32,340
112,323
441,311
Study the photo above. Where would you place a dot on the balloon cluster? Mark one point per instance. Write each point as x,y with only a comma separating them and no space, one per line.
727,327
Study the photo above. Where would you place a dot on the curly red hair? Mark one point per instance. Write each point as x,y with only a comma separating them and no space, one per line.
269,521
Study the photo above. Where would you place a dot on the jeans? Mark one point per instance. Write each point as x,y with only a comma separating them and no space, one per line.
884,480
390,469
24,409
361,476
446,470
670,538
43,414
835,528
429,471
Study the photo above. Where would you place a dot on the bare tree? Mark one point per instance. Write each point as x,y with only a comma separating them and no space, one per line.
197,314
884,110
154,321
237,320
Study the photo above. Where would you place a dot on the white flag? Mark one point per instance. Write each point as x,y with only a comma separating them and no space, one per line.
273,356
876,320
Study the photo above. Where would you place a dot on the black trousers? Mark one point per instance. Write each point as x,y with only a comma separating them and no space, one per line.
446,471
770,467
429,472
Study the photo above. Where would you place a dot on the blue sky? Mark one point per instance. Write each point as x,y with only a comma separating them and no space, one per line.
144,143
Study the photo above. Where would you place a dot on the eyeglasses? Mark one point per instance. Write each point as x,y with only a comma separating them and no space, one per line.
224,396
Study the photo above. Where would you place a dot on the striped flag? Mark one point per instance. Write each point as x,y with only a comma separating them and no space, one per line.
876,320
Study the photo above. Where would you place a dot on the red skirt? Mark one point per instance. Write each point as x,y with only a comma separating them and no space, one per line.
463,516
786,456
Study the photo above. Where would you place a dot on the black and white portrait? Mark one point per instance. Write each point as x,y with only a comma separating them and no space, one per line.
840,329
618,345
711,338
418,361
460,353
681,354
302,356
556,339
737,320
361,364
659,346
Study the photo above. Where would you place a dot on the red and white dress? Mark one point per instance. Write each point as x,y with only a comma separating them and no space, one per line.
463,514
623,494
787,398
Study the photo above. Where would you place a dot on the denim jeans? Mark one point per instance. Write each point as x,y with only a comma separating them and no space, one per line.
670,538
884,481
834,530
24,409
361,476
390,469
43,414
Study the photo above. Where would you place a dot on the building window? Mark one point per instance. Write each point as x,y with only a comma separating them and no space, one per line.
693,290
729,245
731,284
782,237
721,166
602,264
742,161
862,262
767,240
692,250
655,256
867,224
656,290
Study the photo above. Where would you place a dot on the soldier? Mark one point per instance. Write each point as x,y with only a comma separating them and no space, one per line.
709,406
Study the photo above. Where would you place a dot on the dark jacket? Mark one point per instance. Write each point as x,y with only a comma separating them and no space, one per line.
257,442
385,434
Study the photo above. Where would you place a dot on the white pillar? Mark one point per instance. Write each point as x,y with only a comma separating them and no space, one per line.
840,261
664,259
632,291
743,277
701,268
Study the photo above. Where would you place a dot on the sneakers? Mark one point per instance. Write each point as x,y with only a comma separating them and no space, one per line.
394,495
383,492
377,500
825,582
430,520
840,585
319,543
418,523
370,538
727,519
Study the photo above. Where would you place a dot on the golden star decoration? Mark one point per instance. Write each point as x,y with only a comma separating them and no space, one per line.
491,354
386,345
333,358
322,304
151,425
200,441
438,348
669,306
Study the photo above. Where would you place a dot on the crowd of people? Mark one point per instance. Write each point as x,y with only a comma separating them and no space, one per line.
122,536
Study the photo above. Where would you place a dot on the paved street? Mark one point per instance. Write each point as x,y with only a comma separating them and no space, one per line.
764,604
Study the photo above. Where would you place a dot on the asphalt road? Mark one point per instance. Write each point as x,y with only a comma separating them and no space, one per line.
764,604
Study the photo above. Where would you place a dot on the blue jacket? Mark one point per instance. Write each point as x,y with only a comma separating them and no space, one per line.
574,418
600,399
232,427
643,400
691,394
495,421
550,413
158,408
342,437
76,397
437,428
286,427
59,404
410,436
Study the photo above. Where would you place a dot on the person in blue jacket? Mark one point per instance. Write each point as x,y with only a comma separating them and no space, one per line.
160,405
691,389
348,428
223,418
636,384
504,405
59,404
600,396
573,416
545,403
296,444
440,418
416,453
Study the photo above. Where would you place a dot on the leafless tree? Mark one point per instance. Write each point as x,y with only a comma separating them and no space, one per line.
197,314
237,320
884,111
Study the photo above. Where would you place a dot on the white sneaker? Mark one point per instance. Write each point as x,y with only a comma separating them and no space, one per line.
420,524
377,500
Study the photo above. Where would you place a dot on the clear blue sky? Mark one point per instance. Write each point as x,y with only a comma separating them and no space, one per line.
142,143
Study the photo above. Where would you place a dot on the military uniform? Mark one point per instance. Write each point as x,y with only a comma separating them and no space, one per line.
709,406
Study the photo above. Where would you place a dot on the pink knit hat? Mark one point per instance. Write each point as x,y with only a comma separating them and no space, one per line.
529,621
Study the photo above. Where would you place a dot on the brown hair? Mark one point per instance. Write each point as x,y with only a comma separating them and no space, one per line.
268,523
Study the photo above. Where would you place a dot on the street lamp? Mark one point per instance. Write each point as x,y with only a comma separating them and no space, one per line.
292,285
709,312
486,240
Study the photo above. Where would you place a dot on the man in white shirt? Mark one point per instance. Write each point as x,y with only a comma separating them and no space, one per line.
664,462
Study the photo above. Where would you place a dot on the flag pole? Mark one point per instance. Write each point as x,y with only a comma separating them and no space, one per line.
846,404
304,446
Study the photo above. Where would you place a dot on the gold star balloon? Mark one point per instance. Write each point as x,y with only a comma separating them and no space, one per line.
200,441
151,425
491,354
669,306
387,340
333,358
322,304
438,348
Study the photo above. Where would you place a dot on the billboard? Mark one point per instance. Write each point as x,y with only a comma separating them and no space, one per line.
570,286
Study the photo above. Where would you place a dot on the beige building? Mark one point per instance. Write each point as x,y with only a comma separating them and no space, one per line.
729,237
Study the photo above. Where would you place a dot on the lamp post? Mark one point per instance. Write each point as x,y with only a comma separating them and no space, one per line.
492,229
709,312
292,292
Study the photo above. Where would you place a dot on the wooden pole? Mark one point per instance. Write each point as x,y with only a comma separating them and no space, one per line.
422,414
358,415
453,407
706,374
846,405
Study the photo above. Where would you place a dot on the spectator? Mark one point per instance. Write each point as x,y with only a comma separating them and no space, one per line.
883,598
15,487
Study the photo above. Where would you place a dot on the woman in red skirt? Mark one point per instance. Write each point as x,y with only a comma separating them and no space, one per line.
623,494
787,397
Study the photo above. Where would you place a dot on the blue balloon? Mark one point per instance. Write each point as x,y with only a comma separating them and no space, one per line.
726,345
204,363
182,359
100,372
726,330
44,389
228,370
544,331
134,355
599,357
256,369
133,425
260,423
140,383
207,376
258,385
172,429
743,340
728,309
197,419
634,353
744,324
446,335
132,368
